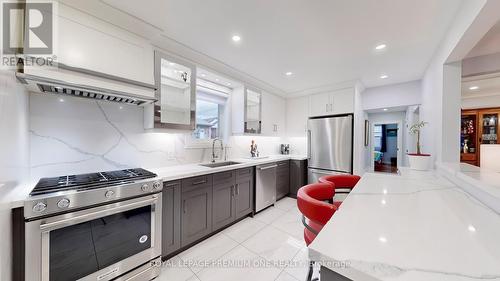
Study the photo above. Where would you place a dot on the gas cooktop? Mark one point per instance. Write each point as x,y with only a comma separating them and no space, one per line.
90,181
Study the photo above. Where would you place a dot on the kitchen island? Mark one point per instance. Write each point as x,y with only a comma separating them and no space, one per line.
414,226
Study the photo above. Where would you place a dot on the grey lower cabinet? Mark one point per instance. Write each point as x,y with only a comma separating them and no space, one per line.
196,209
232,196
244,192
298,176
223,212
282,179
171,217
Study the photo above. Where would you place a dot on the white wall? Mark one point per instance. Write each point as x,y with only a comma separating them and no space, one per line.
395,95
432,83
481,64
481,102
14,156
78,135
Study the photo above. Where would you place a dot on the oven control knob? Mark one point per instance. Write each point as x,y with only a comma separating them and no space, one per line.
109,194
63,203
39,207
145,187
156,185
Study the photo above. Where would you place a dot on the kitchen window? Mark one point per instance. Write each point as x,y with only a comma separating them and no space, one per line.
208,116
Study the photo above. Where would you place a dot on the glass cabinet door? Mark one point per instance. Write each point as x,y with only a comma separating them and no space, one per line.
253,110
176,93
489,126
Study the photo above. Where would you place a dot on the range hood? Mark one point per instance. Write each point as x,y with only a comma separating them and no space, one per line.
76,82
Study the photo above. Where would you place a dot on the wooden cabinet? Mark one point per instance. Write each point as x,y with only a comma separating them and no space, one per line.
282,179
171,217
196,209
478,126
298,176
332,103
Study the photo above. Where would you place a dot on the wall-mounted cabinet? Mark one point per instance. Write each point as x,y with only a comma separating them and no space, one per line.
175,107
246,111
273,115
297,112
332,103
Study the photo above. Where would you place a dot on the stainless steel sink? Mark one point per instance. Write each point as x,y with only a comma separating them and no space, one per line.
220,164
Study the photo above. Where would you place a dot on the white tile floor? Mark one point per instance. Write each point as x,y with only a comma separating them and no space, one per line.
269,246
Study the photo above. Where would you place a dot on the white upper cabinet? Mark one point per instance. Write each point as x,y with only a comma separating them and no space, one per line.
273,115
296,116
246,111
332,103
255,112
86,42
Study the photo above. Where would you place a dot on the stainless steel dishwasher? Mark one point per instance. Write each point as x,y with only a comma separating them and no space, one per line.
265,188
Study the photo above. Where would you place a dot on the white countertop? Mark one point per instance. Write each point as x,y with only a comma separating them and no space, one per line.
487,180
13,195
417,226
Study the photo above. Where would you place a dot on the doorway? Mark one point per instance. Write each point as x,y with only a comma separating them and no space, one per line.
386,147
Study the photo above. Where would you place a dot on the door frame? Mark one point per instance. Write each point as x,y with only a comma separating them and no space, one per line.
399,123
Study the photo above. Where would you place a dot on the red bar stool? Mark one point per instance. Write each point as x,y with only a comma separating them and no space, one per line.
341,182
315,212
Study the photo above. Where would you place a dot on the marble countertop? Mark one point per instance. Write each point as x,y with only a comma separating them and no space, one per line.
13,195
487,180
412,227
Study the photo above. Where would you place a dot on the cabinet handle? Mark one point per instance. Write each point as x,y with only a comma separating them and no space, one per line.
237,189
184,206
200,182
170,184
232,190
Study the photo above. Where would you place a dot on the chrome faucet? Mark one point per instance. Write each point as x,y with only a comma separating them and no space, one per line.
213,148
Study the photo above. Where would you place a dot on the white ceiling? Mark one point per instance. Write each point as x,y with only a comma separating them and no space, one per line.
323,42
489,85
489,44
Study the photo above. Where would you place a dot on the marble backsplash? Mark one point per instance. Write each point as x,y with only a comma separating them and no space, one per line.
71,135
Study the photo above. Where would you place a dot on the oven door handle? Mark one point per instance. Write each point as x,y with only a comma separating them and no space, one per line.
97,214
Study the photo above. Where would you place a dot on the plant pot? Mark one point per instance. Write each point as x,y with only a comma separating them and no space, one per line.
420,162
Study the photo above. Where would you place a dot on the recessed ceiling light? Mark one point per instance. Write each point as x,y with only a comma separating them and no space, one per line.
380,47
474,88
385,109
471,228
61,100
229,84
384,76
203,75
217,79
288,73
236,38
382,239
171,63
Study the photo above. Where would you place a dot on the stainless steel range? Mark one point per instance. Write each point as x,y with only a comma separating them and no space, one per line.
98,226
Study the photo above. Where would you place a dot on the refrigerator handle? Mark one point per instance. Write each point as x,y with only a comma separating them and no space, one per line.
308,144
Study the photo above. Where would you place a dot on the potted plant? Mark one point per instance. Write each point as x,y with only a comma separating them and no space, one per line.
418,161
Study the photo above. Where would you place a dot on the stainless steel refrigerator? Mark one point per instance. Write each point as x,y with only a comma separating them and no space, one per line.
330,146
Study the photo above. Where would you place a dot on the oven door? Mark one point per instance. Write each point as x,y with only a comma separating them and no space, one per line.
99,243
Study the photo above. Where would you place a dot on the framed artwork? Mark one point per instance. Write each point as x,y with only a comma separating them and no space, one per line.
367,132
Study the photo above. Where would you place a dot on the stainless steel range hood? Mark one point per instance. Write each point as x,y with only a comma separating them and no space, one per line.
76,82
